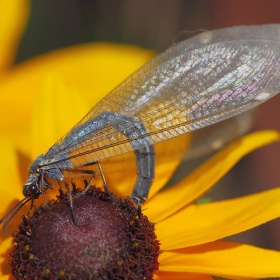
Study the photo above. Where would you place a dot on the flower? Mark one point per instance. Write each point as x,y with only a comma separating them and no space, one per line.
189,234
36,98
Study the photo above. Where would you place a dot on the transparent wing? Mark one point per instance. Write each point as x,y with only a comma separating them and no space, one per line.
196,144
199,82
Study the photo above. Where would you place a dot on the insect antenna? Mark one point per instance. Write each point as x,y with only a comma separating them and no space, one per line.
15,209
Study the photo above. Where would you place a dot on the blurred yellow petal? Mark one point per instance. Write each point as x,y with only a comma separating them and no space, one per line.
122,181
198,224
91,69
163,173
169,155
11,185
121,174
57,108
13,20
204,177
224,259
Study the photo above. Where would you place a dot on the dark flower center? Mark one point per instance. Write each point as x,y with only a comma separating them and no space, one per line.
113,240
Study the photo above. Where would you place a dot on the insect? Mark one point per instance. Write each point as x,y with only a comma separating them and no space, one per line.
196,83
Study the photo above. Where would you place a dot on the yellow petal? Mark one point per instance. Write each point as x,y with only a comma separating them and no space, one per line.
169,155
14,16
223,259
10,178
204,177
122,181
121,174
91,69
57,108
10,189
198,224
167,275
5,277
163,173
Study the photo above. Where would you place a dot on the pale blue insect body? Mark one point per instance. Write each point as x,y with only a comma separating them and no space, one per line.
196,83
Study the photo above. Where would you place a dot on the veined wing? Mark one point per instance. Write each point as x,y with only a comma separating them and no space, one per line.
196,144
201,81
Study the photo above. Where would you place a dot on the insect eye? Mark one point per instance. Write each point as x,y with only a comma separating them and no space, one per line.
32,189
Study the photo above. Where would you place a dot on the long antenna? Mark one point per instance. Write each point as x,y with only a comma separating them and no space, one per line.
13,211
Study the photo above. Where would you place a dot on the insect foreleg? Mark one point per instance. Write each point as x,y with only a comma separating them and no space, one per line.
42,186
70,199
135,131
86,171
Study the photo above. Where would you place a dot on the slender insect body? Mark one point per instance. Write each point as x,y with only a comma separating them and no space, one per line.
55,162
199,82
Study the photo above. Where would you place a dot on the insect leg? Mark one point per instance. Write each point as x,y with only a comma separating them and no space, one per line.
86,171
70,198
135,131
102,175
103,179
42,187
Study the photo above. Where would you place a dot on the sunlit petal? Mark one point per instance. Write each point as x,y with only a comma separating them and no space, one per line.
121,170
57,107
13,20
122,183
212,221
11,185
224,259
91,69
169,155
204,177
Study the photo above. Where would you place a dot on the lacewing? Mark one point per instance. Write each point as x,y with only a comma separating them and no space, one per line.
196,83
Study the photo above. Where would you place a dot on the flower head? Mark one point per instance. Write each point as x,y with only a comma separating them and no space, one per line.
111,239
189,234
36,98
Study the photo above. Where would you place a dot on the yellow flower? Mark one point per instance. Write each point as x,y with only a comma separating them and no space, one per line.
190,234
42,98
